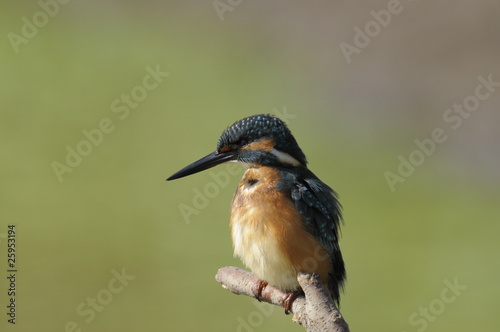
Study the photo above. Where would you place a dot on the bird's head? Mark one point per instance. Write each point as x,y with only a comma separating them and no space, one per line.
256,140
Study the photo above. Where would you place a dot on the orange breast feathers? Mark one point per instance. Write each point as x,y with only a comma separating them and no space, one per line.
268,232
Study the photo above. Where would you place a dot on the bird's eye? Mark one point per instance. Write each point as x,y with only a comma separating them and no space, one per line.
251,182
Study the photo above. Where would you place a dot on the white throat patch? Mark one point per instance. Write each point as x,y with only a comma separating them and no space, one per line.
285,157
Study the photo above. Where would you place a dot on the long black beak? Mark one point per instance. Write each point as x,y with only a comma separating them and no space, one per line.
211,160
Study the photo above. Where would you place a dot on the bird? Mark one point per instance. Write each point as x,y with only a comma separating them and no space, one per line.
284,219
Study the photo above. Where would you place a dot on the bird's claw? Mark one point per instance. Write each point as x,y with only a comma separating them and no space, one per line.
259,287
289,298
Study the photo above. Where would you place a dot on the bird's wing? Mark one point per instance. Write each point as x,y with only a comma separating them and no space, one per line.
319,205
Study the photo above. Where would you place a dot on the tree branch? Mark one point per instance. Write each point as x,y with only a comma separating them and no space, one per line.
316,311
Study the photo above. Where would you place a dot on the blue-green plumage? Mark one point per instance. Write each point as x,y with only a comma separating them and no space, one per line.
259,127
318,203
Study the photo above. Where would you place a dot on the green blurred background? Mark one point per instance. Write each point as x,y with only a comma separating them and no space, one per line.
115,212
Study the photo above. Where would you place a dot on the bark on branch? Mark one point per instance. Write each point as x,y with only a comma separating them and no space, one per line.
315,312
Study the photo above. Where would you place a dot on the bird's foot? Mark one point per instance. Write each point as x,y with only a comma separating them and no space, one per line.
289,298
259,287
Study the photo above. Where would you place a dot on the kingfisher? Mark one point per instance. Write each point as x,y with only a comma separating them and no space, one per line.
284,219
